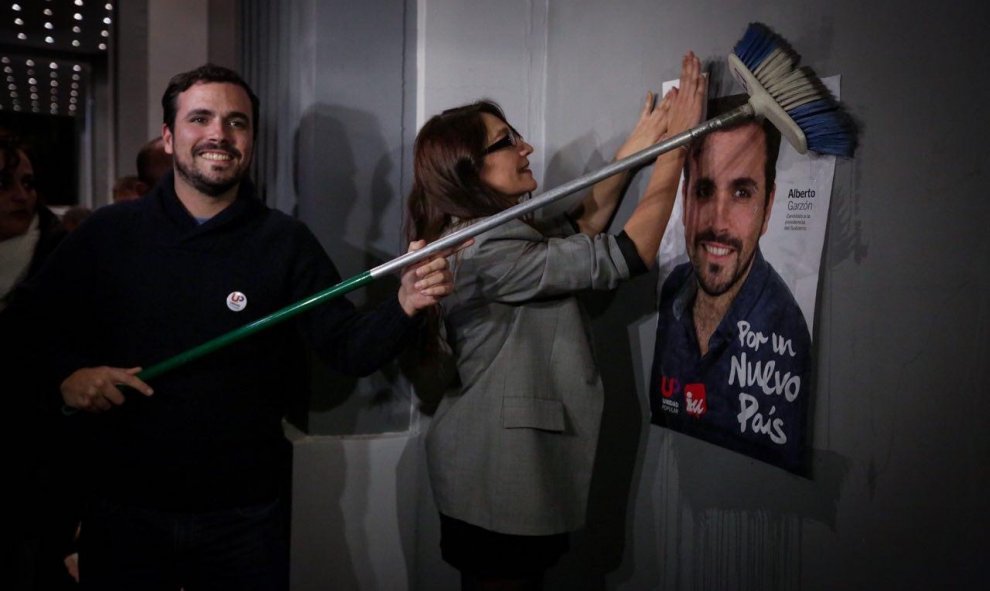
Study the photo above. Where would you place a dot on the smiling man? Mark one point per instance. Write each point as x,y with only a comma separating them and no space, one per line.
188,472
732,356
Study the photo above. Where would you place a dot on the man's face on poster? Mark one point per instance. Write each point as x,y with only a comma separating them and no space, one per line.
726,206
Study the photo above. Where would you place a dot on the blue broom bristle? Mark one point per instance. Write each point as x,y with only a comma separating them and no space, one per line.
755,45
827,128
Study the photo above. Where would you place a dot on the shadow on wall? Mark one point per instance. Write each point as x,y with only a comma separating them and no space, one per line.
330,183
319,553
319,517
600,547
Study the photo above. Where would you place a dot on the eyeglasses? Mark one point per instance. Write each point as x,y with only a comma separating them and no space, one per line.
511,139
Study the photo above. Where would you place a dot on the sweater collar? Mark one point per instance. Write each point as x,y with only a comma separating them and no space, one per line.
243,206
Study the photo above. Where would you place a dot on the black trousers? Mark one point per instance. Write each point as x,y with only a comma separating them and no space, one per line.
244,548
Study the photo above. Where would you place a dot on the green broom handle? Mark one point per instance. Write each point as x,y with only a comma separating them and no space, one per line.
449,241
260,324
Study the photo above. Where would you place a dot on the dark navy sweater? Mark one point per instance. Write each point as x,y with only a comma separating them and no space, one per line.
141,282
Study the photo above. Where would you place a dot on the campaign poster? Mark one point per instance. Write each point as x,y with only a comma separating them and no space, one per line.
739,269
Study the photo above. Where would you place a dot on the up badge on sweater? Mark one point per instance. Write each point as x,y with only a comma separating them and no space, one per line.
236,301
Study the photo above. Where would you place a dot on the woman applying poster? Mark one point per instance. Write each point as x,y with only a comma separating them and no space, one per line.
510,452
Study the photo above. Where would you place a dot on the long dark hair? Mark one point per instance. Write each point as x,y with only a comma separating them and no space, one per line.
447,160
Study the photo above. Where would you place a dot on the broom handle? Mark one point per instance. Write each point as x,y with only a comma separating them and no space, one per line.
555,194
450,240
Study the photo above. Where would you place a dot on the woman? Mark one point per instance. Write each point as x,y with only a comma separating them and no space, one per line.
28,230
510,454
37,528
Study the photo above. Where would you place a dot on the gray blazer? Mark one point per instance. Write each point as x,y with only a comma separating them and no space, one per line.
512,450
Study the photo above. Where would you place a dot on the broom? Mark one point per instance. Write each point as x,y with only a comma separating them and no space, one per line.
793,99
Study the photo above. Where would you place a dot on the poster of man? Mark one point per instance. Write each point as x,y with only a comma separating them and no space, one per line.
732,363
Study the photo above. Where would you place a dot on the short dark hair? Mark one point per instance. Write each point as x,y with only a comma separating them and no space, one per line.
722,105
204,74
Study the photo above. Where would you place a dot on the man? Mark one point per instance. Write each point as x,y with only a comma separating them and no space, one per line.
153,162
732,358
128,188
188,471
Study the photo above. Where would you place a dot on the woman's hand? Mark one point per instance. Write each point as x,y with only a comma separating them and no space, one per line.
649,129
688,99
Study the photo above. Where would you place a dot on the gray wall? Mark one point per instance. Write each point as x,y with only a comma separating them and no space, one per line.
897,497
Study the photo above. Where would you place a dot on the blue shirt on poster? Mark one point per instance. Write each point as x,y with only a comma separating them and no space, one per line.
750,392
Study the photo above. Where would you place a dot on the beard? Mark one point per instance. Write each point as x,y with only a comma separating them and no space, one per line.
204,184
708,273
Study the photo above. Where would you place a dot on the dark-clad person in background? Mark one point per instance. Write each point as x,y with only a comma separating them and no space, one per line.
29,231
128,188
189,472
153,163
34,529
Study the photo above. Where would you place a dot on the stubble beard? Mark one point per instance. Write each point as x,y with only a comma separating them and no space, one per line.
204,184
707,277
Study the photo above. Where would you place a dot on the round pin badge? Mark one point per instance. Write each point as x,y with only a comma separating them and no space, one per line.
236,301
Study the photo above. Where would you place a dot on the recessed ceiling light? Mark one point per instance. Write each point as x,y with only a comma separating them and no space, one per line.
75,43
32,81
18,21
76,68
76,29
49,40
53,65
29,63
77,16
102,46
15,7
107,21
104,33
49,26
47,11
22,36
